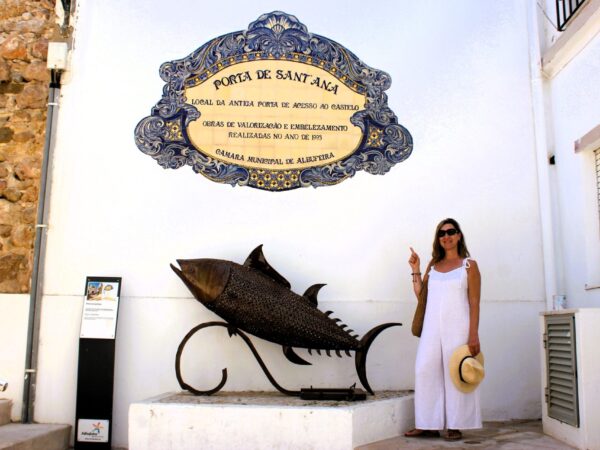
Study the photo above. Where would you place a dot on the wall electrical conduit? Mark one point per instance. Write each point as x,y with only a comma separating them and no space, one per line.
57,62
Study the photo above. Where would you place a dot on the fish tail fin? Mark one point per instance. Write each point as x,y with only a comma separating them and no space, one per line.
360,359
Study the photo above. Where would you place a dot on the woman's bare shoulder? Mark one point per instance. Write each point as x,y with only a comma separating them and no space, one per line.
472,265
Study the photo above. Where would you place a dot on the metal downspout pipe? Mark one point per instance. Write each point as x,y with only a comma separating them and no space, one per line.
35,297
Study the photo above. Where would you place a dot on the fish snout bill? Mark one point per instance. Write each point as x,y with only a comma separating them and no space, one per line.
205,278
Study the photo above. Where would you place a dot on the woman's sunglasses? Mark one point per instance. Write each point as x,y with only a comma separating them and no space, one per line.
449,232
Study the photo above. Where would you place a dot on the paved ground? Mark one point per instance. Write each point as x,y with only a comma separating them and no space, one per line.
34,436
513,435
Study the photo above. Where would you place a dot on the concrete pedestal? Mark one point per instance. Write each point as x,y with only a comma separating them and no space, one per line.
266,420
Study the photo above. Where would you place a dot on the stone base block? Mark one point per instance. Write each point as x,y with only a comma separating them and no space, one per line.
34,436
266,420
5,408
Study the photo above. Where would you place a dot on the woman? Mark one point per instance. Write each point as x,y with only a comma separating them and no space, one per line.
451,320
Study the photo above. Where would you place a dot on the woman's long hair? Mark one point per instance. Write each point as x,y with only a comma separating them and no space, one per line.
438,252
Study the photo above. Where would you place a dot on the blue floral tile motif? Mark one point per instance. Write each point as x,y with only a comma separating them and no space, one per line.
275,36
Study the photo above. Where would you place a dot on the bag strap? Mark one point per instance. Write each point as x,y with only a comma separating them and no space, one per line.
429,266
422,297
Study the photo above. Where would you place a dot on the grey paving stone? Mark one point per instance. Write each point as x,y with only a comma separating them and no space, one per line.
512,435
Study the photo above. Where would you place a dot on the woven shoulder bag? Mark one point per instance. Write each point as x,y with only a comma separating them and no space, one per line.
419,317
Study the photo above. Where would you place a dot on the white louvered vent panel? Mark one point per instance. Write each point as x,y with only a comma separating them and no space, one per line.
561,368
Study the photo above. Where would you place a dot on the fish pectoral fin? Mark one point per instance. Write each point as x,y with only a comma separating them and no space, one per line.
256,260
312,292
293,357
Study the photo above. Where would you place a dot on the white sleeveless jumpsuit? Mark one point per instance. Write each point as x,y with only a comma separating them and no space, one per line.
438,404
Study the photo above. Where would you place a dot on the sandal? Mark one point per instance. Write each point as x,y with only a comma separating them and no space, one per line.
417,433
453,435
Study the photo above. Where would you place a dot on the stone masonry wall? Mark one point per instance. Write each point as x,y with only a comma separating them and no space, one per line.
26,26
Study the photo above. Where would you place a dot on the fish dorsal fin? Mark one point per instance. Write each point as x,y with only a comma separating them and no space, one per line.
256,260
293,357
311,293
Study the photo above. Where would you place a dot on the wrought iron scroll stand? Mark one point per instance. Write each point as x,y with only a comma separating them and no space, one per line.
348,394
232,330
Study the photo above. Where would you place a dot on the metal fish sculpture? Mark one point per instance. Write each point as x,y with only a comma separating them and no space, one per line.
255,298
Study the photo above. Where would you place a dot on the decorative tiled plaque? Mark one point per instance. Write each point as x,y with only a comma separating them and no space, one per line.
274,107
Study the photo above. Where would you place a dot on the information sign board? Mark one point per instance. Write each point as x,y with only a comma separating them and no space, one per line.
95,374
100,307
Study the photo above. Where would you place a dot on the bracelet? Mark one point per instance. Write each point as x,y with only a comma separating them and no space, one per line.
416,273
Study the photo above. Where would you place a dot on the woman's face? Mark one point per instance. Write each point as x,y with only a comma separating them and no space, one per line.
448,236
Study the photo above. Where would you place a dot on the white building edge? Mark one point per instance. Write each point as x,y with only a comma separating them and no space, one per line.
489,91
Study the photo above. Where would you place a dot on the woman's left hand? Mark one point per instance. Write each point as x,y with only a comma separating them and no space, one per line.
474,346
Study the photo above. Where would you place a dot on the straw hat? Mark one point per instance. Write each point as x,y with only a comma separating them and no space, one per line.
466,371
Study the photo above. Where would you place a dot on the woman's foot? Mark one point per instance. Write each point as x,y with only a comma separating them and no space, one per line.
416,432
453,435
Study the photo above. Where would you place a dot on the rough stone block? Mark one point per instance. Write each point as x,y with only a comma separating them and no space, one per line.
34,25
28,216
13,47
5,230
27,169
39,49
33,96
37,71
22,236
30,195
4,70
10,266
34,437
10,88
5,407
12,194
20,116
6,134
24,136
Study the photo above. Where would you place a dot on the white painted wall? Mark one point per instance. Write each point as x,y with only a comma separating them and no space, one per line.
548,23
461,86
14,310
574,98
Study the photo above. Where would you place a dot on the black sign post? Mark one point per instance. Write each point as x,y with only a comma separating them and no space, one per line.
95,375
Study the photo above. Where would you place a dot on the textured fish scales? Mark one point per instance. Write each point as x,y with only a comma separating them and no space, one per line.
264,308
